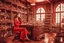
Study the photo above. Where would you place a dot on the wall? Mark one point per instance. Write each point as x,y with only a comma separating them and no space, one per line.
46,6
50,8
54,10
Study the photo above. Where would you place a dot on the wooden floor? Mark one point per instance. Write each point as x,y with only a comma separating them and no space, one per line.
48,38
9,40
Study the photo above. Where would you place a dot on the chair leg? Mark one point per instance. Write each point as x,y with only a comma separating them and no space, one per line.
16,37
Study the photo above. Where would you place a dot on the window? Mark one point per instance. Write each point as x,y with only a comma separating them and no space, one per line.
38,17
60,13
40,14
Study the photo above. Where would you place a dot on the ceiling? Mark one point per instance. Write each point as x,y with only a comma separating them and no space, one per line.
35,1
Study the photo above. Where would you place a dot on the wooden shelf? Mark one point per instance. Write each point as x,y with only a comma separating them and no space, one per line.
8,1
15,6
48,21
10,8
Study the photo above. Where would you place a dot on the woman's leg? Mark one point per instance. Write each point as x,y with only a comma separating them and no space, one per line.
23,33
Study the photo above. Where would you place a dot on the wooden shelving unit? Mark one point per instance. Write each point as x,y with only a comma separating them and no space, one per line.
29,15
9,8
13,5
48,21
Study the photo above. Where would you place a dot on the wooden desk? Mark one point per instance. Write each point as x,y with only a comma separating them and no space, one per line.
36,31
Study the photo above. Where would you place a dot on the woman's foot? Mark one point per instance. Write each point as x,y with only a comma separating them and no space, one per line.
27,39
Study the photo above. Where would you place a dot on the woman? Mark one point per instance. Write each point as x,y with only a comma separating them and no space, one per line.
24,32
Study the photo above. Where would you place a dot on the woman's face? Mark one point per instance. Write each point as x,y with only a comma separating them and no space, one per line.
18,15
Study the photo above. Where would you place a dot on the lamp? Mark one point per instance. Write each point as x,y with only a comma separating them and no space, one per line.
33,3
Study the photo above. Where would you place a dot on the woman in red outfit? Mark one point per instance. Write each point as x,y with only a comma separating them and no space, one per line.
17,23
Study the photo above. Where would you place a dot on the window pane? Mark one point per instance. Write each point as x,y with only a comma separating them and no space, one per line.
62,7
62,17
58,8
42,10
37,17
42,17
57,17
38,11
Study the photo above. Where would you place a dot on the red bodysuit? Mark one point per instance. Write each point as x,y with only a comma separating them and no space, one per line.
23,31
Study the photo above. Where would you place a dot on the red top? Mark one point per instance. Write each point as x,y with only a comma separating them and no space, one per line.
17,22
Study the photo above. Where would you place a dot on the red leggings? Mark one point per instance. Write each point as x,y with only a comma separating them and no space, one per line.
23,33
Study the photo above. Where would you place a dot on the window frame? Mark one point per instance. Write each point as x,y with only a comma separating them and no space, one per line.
41,13
60,15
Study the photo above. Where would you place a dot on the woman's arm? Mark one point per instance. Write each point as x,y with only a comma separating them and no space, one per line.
16,22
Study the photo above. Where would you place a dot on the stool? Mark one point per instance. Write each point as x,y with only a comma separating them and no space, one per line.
16,35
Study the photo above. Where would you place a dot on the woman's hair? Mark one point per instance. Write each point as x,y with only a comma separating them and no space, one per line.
17,17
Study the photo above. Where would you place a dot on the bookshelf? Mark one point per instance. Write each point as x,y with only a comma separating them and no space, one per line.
48,21
8,10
